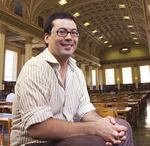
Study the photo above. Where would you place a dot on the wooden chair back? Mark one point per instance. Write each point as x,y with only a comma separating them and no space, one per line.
1,138
107,112
119,104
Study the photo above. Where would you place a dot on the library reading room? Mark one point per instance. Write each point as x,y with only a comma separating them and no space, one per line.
74,72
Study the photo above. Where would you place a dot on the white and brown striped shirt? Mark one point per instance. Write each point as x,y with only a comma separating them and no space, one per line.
40,94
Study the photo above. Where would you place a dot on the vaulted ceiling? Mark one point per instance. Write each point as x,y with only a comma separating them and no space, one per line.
113,24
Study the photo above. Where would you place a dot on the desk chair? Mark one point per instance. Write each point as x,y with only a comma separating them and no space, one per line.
107,112
6,122
1,138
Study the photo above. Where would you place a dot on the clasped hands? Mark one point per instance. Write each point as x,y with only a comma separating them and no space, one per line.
111,131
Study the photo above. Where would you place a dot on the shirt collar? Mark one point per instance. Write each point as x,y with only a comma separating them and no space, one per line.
50,58
72,63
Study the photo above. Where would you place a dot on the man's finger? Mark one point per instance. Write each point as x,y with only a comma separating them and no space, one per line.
122,133
123,138
112,120
108,144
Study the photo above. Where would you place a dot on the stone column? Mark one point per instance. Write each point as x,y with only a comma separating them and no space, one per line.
118,78
2,54
22,58
28,49
89,77
101,78
149,37
82,66
135,75
97,78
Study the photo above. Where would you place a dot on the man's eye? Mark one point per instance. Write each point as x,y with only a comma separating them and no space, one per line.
62,31
75,33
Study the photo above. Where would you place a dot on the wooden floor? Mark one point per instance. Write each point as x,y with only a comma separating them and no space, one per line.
142,133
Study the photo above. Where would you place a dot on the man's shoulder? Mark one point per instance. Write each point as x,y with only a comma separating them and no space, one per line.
37,61
79,73
78,69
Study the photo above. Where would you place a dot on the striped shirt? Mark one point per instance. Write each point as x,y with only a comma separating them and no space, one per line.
41,94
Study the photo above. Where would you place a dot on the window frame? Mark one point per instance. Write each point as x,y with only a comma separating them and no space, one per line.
147,80
113,76
13,67
129,77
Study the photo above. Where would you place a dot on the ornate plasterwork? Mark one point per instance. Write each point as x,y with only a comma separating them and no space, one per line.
103,15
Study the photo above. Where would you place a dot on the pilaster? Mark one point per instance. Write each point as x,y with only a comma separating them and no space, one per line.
28,49
2,53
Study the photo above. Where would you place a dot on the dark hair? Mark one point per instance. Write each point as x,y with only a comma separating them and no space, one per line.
57,15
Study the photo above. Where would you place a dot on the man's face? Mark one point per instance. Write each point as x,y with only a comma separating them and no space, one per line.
62,46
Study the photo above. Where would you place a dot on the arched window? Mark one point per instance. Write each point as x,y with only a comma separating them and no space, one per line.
40,21
17,8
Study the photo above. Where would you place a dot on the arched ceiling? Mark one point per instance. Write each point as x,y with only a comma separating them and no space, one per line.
104,16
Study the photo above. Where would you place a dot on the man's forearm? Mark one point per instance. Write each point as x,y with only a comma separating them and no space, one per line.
90,117
93,116
58,129
54,129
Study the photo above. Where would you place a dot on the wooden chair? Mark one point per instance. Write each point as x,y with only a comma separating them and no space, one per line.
6,122
9,130
107,112
120,104
99,105
2,139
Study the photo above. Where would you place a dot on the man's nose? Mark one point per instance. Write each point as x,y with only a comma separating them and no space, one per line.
68,36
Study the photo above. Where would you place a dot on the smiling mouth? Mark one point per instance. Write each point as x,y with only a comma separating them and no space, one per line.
67,45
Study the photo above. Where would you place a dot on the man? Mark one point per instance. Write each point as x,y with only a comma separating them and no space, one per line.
51,93
10,96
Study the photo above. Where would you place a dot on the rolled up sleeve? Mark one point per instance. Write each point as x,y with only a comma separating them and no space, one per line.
37,115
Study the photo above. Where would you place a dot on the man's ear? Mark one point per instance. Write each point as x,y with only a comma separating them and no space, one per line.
46,35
